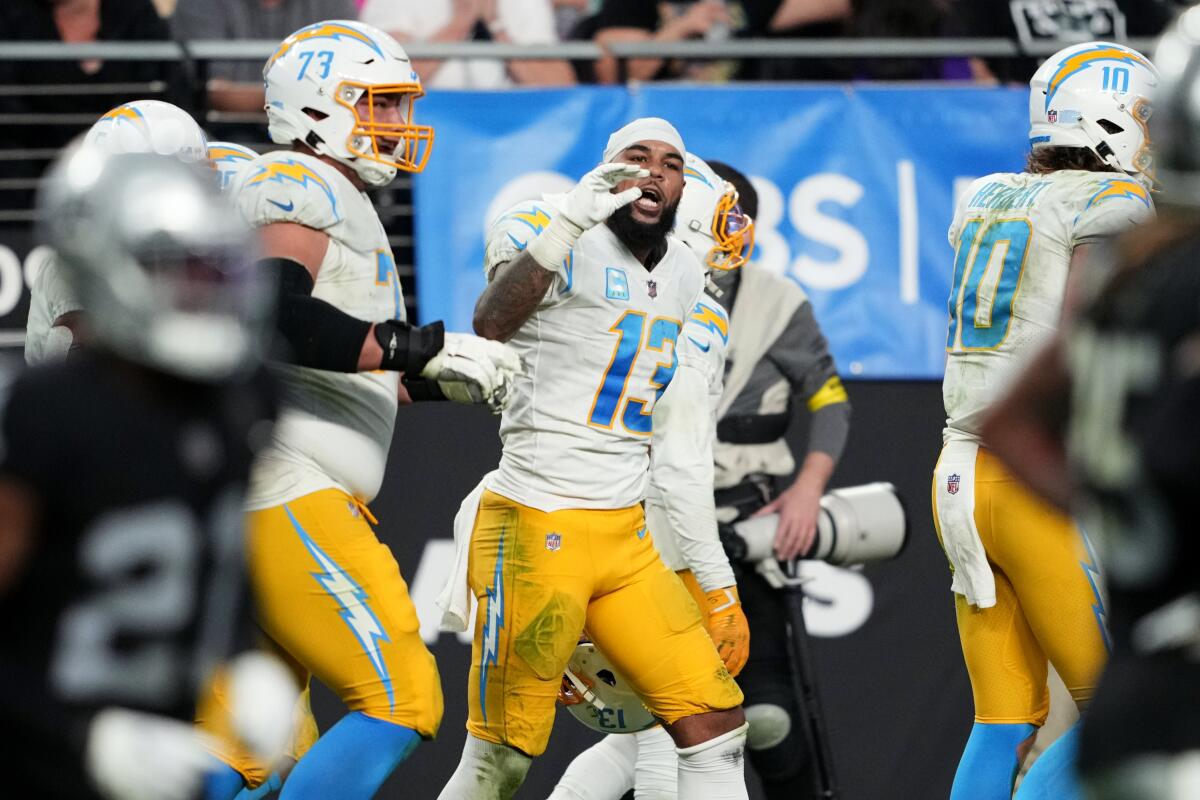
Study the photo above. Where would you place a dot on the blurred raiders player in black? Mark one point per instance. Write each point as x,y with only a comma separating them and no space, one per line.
1106,422
121,478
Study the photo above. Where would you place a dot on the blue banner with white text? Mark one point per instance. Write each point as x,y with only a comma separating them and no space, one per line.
856,187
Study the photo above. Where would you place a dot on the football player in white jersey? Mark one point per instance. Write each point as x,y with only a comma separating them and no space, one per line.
229,160
680,512
340,94
55,321
1024,580
593,293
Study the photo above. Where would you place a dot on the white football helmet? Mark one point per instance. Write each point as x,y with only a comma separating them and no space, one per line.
602,699
709,219
161,260
1096,95
229,159
149,126
314,82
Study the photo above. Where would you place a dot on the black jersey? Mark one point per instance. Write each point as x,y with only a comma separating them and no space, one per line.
135,585
1134,444
1133,439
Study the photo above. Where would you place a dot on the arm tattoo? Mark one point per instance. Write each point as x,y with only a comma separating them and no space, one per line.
511,297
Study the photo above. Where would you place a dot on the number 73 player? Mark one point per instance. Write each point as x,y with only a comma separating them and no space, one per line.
1025,583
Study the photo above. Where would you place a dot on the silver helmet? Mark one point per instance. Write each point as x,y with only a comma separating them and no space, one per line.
1175,126
162,262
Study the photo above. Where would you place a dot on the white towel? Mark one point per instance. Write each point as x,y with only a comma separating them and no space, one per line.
455,598
954,482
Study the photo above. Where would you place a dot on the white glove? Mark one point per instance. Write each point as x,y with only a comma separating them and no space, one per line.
131,755
584,207
471,369
262,699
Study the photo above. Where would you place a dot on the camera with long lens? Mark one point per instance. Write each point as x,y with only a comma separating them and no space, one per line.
856,525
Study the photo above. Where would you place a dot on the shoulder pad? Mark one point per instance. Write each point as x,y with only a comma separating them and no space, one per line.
1111,205
290,187
705,338
514,230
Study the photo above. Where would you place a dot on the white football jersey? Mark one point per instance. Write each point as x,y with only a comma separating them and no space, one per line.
335,428
598,351
49,298
1014,235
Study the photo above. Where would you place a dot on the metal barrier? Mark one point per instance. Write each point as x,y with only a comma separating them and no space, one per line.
395,203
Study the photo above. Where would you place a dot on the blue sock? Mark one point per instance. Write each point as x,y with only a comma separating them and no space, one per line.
1052,776
269,785
351,761
989,764
224,783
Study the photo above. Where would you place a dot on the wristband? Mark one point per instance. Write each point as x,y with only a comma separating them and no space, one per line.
421,390
551,247
407,348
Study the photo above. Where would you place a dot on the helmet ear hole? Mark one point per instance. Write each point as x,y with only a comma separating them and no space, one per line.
314,113
1109,126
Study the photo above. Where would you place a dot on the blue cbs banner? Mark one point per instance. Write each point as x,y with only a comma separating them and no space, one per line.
856,190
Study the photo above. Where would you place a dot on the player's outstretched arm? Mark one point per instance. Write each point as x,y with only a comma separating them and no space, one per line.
682,472
518,286
456,366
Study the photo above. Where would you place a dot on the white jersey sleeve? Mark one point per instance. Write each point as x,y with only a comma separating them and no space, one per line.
50,297
679,504
288,187
513,231
1116,205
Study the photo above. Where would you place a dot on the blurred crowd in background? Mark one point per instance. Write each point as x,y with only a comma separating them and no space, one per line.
64,96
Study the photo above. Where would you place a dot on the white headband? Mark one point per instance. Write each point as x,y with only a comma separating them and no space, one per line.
646,129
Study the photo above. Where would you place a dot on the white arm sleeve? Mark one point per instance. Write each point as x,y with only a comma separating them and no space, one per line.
682,476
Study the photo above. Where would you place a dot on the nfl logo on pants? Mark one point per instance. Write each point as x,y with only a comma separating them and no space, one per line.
951,486
553,541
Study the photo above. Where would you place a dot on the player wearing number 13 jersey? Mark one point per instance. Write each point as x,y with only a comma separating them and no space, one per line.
1024,579
593,293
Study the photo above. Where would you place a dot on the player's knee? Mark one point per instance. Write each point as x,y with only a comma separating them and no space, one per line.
509,766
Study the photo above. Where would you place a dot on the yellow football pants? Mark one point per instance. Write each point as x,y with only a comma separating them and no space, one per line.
329,595
1047,603
541,579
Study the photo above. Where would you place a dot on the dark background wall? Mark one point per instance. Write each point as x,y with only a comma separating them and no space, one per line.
895,691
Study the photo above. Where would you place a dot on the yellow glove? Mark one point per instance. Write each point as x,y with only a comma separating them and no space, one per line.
728,628
724,620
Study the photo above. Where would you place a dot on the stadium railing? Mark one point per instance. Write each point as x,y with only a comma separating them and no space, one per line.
395,206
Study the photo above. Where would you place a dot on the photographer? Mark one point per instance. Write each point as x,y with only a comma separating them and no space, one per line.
776,352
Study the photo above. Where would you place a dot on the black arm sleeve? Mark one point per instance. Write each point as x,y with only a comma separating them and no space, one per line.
802,355
318,334
321,336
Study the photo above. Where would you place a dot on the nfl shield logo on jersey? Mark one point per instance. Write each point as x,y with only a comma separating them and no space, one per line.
952,484
553,541
652,289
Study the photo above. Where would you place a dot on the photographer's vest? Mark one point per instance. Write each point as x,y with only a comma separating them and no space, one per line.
752,443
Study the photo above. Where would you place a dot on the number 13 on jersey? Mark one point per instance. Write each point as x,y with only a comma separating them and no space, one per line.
614,387
987,275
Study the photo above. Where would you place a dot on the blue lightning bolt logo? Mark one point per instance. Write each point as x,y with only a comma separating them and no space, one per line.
536,218
1092,571
289,169
492,626
713,319
1120,187
355,611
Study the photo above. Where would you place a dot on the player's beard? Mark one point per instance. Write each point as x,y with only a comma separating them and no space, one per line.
641,235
